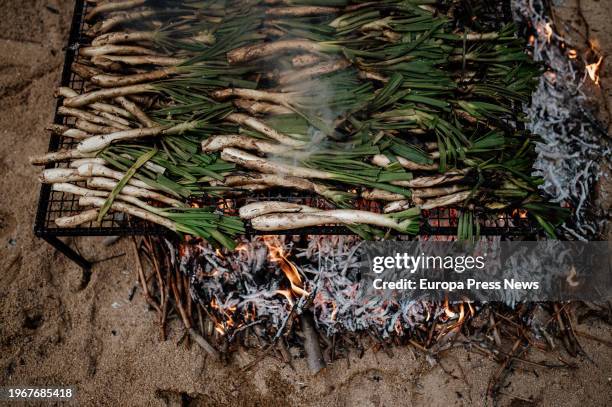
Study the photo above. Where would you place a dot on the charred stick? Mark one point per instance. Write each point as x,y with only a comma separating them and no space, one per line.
314,356
141,277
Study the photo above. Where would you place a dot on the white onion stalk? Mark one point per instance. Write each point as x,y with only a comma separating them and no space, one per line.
148,165
218,143
97,170
135,111
90,117
381,195
122,37
288,221
99,106
76,220
115,118
112,81
98,143
60,155
382,160
258,51
92,128
301,11
85,192
121,18
107,7
440,201
447,200
261,108
278,98
98,95
262,165
66,131
253,123
83,161
427,182
103,60
398,206
109,184
115,50
439,191
130,210
313,72
77,190
256,209
304,60
55,175
250,181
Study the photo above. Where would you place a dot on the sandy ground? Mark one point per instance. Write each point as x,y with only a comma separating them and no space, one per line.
52,333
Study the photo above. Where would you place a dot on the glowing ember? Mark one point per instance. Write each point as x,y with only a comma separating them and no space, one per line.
521,213
593,70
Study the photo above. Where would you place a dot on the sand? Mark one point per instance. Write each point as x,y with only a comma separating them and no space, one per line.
97,339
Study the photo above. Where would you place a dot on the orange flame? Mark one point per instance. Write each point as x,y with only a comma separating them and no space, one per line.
447,310
593,70
287,295
276,254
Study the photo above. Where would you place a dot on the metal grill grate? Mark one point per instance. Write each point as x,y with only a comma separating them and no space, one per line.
53,204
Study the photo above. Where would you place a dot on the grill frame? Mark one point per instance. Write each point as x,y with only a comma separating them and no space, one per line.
52,204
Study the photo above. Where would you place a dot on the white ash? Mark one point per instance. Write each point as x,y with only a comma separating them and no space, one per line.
246,287
573,150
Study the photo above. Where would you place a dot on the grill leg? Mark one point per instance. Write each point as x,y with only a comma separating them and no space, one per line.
74,256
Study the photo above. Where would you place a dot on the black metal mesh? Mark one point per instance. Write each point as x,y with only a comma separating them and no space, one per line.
53,204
